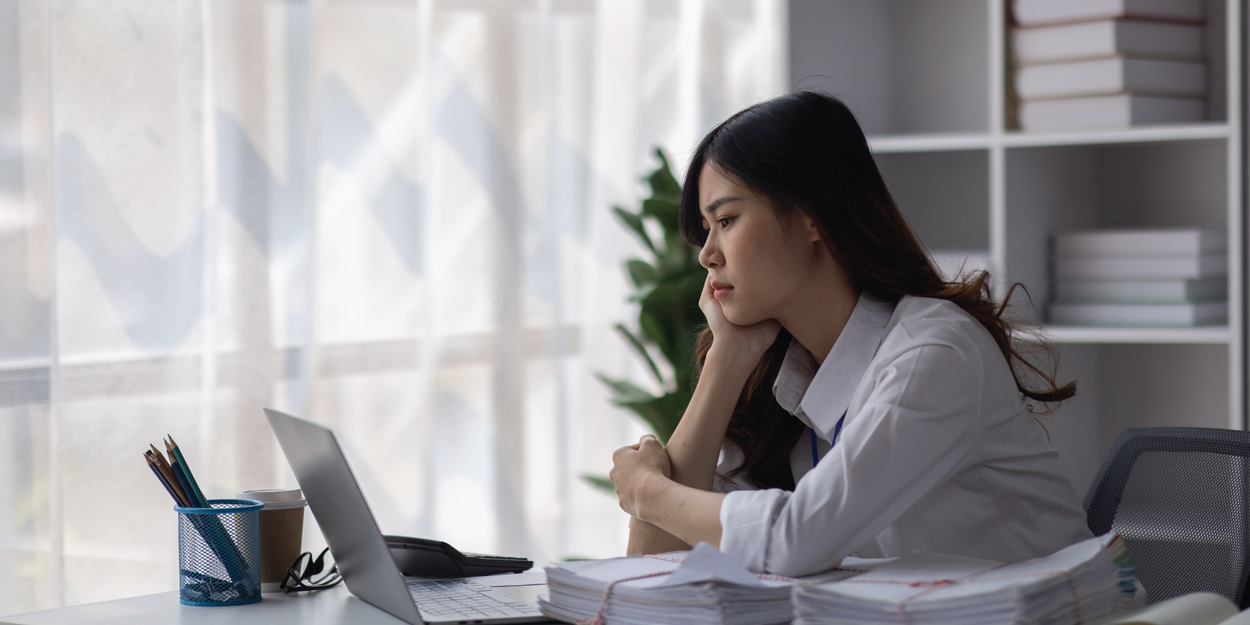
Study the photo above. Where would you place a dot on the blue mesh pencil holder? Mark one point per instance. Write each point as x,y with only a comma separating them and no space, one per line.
219,553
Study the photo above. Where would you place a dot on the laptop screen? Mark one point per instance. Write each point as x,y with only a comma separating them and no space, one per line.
349,528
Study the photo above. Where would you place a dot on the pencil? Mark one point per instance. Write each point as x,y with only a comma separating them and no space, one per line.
172,446
209,527
182,481
168,472
147,455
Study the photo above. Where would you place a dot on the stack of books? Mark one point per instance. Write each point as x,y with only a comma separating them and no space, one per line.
1143,278
1085,582
1083,64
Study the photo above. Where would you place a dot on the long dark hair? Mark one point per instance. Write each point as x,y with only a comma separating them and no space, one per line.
805,151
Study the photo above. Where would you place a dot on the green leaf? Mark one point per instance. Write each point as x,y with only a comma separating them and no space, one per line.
670,315
679,257
667,288
642,351
602,483
664,210
626,392
633,221
641,273
653,325
662,181
661,413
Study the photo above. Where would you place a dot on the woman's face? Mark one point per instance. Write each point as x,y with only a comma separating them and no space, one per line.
758,259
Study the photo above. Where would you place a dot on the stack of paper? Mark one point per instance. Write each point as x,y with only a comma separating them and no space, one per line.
1076,585
1141,278
700,586
1108,63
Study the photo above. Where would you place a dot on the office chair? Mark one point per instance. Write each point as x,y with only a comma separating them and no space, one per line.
1180,499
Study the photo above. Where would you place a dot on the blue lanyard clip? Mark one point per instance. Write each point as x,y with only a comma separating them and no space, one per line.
837,429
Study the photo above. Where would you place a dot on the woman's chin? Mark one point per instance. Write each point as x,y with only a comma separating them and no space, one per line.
741,318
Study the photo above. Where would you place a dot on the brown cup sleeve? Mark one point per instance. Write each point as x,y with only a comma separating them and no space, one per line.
281,536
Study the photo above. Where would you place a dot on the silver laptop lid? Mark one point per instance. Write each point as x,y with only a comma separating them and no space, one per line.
340,509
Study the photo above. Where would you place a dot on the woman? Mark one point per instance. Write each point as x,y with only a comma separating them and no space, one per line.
850,401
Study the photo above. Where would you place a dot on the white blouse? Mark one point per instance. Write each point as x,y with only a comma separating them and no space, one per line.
937,452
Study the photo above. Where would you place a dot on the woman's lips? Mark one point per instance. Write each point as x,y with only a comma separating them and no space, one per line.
719,289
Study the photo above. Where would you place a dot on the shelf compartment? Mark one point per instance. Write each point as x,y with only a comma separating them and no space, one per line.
943,195
1216,60
903,66
1055,189
1136,384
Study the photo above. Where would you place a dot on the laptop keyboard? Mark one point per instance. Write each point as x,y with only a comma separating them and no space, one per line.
463,599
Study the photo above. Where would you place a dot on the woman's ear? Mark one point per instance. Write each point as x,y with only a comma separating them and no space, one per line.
810,230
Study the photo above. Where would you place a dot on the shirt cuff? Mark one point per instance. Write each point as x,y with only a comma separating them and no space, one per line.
746,519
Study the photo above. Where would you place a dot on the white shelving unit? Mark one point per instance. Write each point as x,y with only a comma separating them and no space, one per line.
927,79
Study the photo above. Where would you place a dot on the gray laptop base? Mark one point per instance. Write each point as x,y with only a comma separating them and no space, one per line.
354,539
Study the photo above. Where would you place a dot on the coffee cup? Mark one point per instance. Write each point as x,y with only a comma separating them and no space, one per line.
281,532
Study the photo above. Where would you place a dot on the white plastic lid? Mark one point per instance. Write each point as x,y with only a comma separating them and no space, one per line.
275,498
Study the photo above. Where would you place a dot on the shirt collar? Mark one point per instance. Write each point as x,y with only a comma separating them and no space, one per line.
820,394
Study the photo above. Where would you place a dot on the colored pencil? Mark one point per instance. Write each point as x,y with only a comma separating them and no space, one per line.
182,481
147,455
208,526
168,472
172,446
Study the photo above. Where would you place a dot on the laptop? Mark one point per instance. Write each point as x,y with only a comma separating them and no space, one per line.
362,555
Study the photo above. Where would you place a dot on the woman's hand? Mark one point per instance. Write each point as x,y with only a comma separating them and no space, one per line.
745,342
634,467
666,515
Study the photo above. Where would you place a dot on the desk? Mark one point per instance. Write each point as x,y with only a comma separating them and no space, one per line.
333,607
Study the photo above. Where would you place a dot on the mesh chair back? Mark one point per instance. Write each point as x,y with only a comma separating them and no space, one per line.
1178,497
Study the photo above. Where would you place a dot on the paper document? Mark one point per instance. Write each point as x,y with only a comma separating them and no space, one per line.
1086,581
699,586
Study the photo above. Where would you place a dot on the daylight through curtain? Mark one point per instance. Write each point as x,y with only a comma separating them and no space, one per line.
389,216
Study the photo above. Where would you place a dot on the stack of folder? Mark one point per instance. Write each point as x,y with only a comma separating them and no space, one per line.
1150,278
1108,63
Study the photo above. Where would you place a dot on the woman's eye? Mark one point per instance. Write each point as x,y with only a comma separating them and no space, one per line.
725,221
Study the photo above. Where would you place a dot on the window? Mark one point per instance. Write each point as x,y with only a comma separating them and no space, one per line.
388,216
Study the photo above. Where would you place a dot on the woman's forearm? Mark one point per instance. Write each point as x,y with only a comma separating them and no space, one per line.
646,538
690,515
695,445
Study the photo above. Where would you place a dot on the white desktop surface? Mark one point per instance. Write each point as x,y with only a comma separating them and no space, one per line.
332,607
335,605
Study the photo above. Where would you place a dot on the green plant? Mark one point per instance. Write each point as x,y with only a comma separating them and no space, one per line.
667,289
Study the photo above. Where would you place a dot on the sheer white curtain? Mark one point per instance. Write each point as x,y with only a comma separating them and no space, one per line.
389,216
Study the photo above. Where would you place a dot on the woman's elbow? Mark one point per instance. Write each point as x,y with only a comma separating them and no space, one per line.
801,563
800,553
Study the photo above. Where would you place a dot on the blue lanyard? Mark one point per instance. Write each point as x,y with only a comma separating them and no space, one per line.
837,429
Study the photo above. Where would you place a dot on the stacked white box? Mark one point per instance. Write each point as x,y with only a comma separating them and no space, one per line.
1086,64
1144,278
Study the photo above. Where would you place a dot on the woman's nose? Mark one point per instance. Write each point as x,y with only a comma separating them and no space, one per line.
709,255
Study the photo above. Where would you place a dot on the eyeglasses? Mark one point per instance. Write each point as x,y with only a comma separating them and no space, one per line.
299,576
